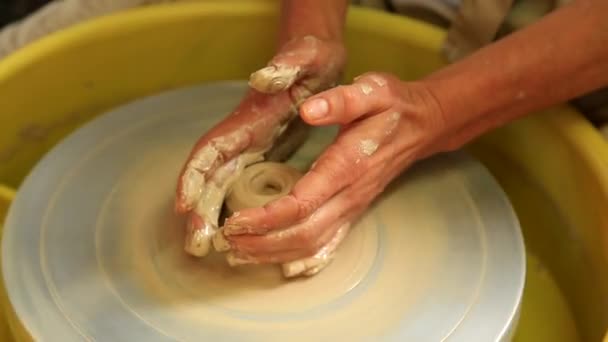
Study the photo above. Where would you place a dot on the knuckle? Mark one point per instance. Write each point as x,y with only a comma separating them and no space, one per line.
366,75
307,239
302,91
347,104
342,93
423,101
350,94
307,206
379,79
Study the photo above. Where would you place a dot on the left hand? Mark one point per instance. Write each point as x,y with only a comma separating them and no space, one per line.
386,125
259,128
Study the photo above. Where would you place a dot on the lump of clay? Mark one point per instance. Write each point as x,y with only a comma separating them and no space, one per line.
208,195
265,182
260,184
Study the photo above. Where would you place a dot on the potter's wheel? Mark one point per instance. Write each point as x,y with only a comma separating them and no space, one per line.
92,250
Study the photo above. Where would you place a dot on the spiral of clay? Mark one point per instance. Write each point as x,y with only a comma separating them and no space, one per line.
260,184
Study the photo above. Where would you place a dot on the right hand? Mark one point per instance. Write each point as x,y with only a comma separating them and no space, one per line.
303,67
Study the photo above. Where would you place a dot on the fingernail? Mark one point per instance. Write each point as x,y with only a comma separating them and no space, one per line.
316,109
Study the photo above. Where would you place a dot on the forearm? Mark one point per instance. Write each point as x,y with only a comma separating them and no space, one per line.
323,19
560,57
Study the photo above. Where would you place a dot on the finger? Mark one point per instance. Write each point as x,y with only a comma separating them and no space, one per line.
198,235
203,221
341,164
314,264
298,59
343,209
296,261
237,259
307,236
204,162
368,95
257,113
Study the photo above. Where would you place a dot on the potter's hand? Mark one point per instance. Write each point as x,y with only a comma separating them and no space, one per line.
303,66
386,125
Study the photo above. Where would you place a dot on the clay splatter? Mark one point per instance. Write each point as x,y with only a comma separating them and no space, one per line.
366,89
368,147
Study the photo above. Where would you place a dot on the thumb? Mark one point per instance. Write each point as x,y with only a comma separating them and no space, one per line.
345,104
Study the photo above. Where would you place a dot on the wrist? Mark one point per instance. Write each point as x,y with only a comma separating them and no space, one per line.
321,19
525,72
474,103
302,33
427,117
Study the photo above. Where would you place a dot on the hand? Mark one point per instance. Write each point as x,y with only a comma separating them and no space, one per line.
386,125
302,67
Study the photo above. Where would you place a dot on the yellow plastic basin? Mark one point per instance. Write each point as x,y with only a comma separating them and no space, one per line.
554,165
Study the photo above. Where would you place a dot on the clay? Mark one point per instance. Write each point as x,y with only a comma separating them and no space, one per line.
379,80
368,147
274,78
366,89
260,184
210,199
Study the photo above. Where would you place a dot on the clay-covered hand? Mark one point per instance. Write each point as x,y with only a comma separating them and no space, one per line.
302,67
386,125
